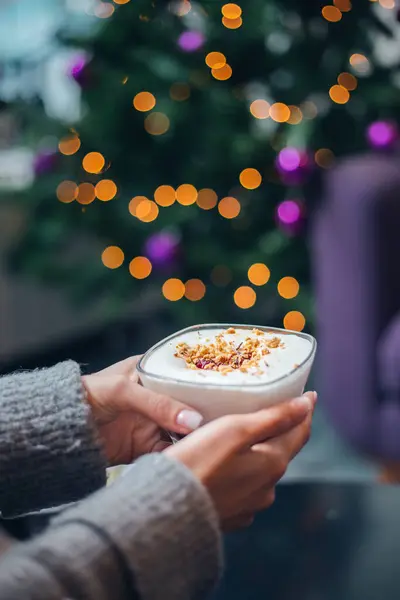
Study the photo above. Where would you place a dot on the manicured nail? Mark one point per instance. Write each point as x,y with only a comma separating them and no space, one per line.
315,396
304,402
189,419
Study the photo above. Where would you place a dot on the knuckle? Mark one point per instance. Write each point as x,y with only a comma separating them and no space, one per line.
160,407
120,385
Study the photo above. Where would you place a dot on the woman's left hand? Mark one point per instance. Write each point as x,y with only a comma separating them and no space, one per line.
131,420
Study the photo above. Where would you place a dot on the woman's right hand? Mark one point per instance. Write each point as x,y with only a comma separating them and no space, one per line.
240,458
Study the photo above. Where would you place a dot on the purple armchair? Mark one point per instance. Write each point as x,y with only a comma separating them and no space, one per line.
356,250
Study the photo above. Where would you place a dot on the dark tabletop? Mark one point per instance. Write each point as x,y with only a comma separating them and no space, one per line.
318,542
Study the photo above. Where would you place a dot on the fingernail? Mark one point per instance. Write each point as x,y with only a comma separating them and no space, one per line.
189,419
315,396
304,402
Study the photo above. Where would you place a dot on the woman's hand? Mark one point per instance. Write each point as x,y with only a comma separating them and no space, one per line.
130,418
240,458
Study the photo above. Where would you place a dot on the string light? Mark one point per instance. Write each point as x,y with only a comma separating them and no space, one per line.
93,162
144,101
387,3
332,14
360,63
179,92
86,193
324,158
309,109
348,81
147,211
245,297
67,192
195,290
258,274
343,5
250,179
279,112
223,73
296,116
339,94
106,190
232,23
156,123
173,289
231,11
288,287
215,60
121,1
140,267
69,145
112,257
229,207
294,320
186,194
104,10
260,109
181,8
165,195
207,199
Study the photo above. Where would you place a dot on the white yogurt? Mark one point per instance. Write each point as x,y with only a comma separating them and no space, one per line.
277,376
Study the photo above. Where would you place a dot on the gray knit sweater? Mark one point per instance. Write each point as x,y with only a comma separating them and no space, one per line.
153,533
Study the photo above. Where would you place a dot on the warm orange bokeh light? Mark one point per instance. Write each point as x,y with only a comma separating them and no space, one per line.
324,158
250,179
296,116
186,194
348,81
229,207
195,290
331,14
93,162
173,289
294,320
279,112
259,274
207,199
231,10
343,5
339,94
288,287
223,73
232,23
147,211
69,145
144,101
121,1
86,193
156,123
135,203
140,267
165,195
106,190
112,257
245,297
215,60
179,92
260,109
67,192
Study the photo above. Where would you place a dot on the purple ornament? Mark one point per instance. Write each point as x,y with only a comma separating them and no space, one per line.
77,70
382,134
289,215
44,162
190,41
161,248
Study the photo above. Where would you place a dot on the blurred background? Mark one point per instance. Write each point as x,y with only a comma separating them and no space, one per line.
165,163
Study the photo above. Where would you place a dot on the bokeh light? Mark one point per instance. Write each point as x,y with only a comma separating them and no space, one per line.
232,23
258,274
147,211
121,1
245,297
360,64
343,5
279,112
179,91
173,289
195,290
339,94
144,101
112,257
331,14
103,10
296,116
207,199
223,73
180,7
186,194
294,320
165,195
387,3
69,145
289,159
156,123
250,179
135,203
324,158
288,288
215,60
348,81
106,190
93,162
309,109
67,192
231,11
140,267
229,207
382,134
289,212
260,109
190,41
86,193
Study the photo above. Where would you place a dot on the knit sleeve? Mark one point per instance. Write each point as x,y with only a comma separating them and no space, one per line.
49,452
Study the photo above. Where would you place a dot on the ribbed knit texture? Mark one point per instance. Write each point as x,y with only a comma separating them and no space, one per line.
49,452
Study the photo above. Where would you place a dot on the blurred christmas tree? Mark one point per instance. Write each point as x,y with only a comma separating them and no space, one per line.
204,124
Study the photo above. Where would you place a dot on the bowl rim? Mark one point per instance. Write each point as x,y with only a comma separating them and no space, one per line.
142,370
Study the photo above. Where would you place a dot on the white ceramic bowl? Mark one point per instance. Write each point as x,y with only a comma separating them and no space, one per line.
214,400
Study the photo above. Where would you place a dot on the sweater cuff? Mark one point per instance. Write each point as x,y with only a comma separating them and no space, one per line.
49,450
162,521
